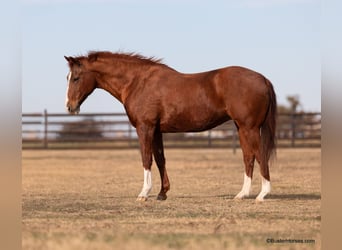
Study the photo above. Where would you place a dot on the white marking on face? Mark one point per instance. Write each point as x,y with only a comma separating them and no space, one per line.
247,183
66,98
265,189
147,184
69,77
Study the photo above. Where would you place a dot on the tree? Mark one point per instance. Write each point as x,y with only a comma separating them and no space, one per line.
294,102
80,130
293,124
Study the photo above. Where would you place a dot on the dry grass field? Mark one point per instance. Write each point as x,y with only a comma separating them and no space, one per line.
74,199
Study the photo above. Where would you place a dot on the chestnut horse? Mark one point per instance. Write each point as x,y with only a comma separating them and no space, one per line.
158,99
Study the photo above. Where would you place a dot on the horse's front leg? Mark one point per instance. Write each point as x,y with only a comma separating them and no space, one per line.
158,152
145,134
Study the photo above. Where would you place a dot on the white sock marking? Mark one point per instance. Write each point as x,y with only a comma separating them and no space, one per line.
147,184
247,183
265,189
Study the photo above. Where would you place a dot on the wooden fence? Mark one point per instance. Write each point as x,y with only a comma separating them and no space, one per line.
113,130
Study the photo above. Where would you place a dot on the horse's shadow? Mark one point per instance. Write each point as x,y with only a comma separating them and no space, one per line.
268,197
294,196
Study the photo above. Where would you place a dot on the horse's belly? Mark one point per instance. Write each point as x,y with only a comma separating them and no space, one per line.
191,107
191,122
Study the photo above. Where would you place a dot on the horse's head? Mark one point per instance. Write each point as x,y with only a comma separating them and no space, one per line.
81,83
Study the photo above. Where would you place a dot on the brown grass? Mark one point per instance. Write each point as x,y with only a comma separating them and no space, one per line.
86,200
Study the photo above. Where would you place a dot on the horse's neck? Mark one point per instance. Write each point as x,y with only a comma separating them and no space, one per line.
115,80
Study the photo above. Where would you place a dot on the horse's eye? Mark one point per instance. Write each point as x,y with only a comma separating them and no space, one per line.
76,79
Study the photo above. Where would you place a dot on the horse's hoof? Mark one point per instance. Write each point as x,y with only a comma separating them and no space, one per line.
141,199
258,200
161,197
240,197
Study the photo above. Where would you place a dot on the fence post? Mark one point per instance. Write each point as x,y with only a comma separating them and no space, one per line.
45,129
293,129
129,135
209,138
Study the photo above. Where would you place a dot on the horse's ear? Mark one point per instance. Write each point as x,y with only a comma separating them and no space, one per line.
72,61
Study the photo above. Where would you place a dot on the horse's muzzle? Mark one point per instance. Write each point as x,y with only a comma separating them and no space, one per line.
73,111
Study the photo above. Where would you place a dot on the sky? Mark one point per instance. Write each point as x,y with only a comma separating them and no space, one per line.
278,38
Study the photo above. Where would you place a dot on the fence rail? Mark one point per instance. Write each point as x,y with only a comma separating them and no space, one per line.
113,130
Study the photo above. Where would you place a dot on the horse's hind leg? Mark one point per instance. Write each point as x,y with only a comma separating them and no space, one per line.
248,144
265,178
158,152
250,141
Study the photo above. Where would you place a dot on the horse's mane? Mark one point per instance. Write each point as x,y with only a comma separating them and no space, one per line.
128,57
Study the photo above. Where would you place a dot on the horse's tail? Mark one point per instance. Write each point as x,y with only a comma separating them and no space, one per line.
268,128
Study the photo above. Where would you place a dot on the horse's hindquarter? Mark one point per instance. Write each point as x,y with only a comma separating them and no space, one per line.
245,93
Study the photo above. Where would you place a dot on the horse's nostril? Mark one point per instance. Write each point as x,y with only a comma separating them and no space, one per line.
69,108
